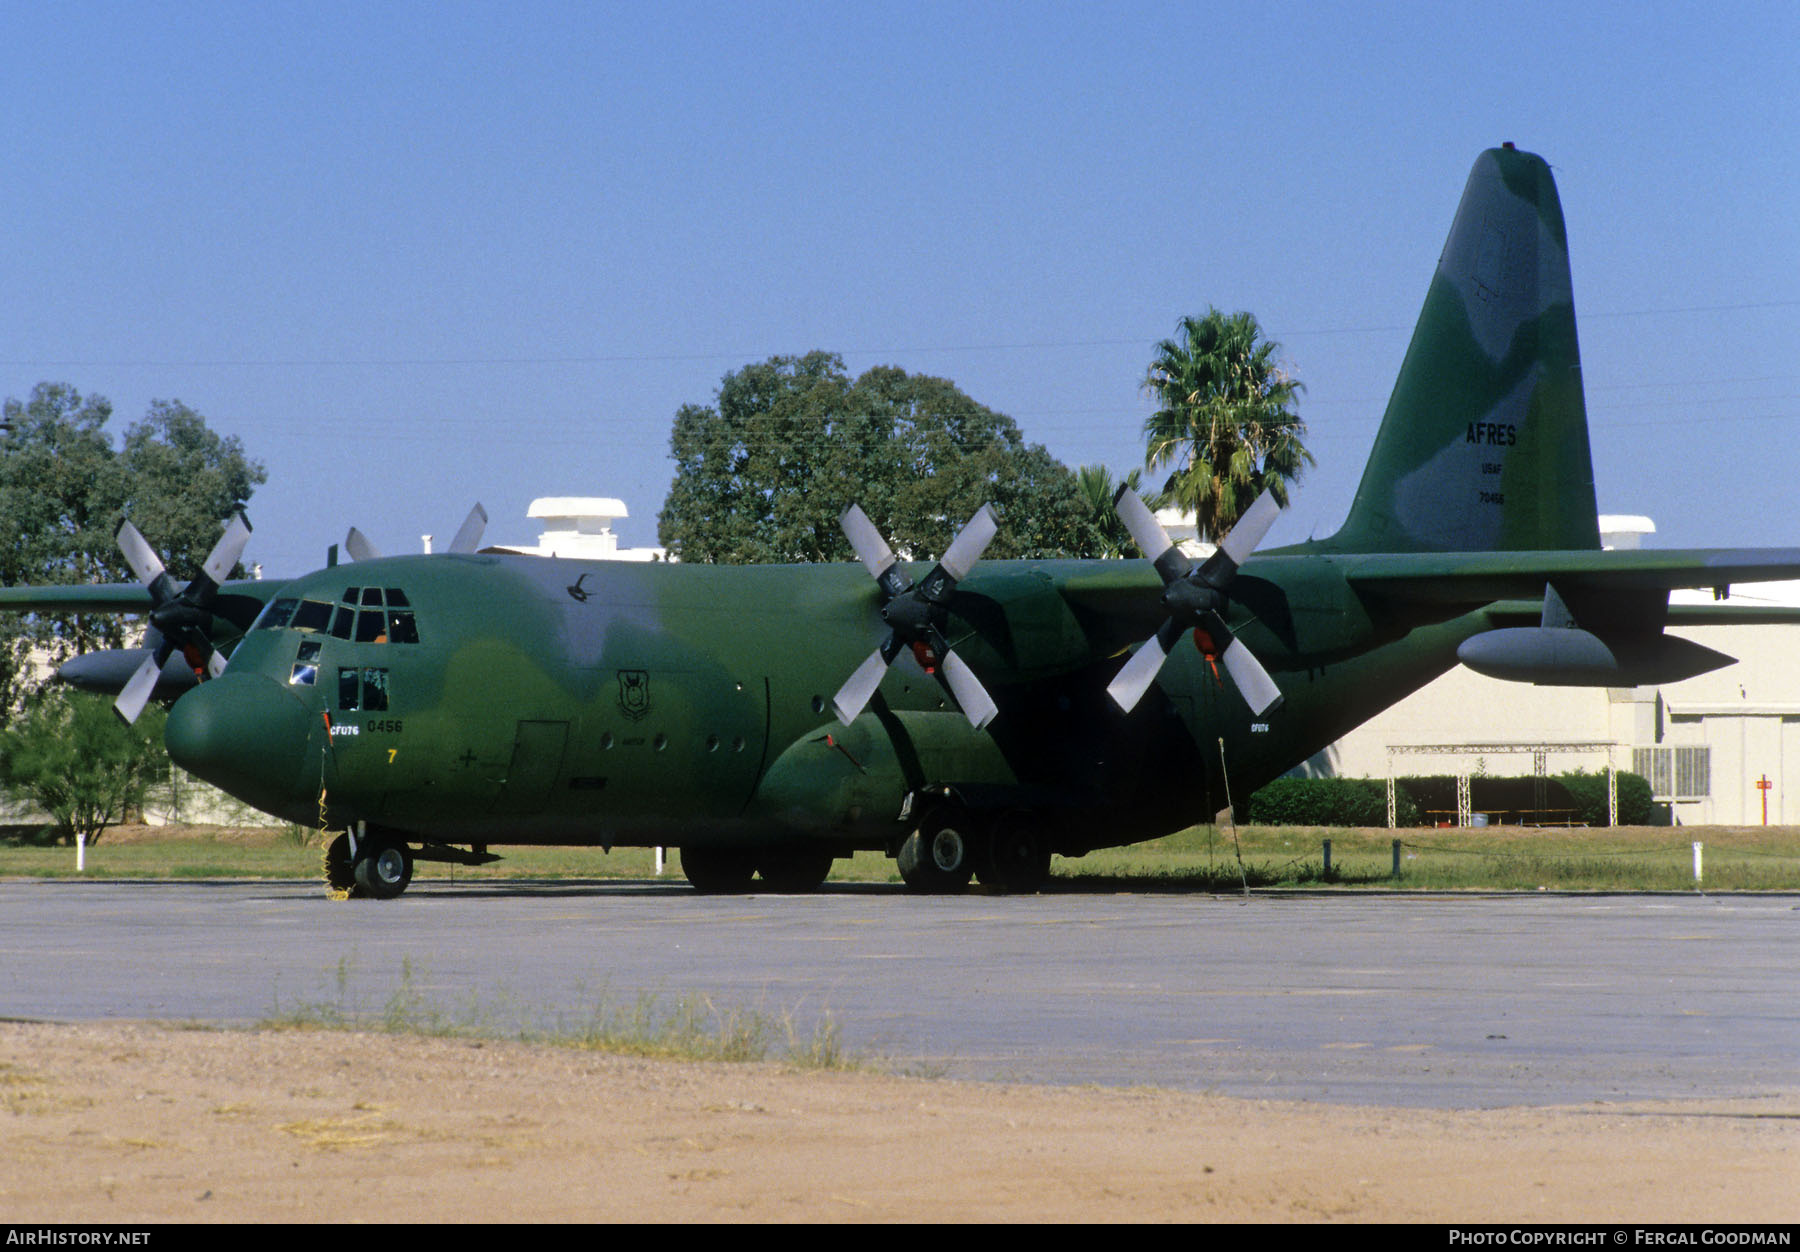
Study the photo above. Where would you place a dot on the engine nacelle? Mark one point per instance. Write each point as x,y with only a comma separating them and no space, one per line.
1559,656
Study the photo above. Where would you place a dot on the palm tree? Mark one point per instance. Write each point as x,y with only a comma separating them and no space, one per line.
1225,426
1106,535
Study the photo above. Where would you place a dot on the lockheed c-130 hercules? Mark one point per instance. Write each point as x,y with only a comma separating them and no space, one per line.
435,706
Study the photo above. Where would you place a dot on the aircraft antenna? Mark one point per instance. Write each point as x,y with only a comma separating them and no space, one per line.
1225,773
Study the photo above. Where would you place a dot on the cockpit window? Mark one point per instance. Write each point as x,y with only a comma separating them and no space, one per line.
275,614
366,615
311,615
371,626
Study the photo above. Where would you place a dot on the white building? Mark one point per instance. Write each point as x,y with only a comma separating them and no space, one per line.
580,527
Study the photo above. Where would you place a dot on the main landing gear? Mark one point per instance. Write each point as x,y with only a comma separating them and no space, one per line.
952,844
731,871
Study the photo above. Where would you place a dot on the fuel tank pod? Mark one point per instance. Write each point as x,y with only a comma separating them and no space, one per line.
1562,656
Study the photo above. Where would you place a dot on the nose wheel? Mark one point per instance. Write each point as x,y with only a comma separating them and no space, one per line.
379,870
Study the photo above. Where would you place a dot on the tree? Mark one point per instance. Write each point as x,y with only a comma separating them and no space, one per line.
1225,424
791,442
71,757
1098,488
65,489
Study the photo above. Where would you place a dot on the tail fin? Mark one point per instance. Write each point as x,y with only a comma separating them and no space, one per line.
1484,446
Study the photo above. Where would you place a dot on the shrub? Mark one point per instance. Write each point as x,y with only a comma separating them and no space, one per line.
1363,801
1327,802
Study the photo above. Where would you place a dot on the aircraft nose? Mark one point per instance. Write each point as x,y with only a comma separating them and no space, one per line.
246,735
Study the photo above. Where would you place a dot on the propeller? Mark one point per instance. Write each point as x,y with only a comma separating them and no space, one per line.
468,538
916,613
180,619
1195,595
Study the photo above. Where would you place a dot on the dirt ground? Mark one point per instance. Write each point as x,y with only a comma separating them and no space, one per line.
124,1123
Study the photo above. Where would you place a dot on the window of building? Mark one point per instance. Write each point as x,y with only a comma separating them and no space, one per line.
1675,773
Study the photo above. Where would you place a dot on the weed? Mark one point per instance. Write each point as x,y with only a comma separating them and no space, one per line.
693,1027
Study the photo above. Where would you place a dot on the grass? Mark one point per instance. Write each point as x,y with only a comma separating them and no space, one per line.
692,1027
1202,858
1472,858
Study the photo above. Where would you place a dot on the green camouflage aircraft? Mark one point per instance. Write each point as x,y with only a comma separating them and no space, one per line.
436,706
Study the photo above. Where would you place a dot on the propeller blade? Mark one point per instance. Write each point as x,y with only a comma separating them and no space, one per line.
225,553
970,542
358,546
854,695
1148,533
871,548
1130,683
1253,681
136,692
468,537
139,554
1251,526
971,696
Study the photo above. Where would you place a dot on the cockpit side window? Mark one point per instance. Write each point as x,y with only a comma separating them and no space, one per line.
311,615
363,690
276,614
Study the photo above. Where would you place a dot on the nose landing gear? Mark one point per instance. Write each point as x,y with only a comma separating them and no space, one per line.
378,869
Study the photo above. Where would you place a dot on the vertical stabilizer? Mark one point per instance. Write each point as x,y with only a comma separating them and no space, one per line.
1484,445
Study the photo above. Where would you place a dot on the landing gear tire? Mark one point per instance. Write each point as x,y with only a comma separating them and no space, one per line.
939,856
340,874
385,870
718,871
792,872
1018,858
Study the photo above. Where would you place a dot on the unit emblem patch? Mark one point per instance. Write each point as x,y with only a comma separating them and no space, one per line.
634,693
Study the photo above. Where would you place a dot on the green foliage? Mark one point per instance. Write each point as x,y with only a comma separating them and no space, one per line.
1577,797
1327,802
70,756
1225,425
790,443
65,489
1098,487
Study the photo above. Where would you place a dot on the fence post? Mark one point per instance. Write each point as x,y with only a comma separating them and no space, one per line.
1396,858
1328,858
1697,846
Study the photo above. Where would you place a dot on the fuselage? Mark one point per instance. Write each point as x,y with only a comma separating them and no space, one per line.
488,699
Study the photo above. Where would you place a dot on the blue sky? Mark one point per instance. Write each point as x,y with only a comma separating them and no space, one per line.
420,255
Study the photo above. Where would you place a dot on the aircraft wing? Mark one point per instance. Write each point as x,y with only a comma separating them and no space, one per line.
114,597
1473,578
77,598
